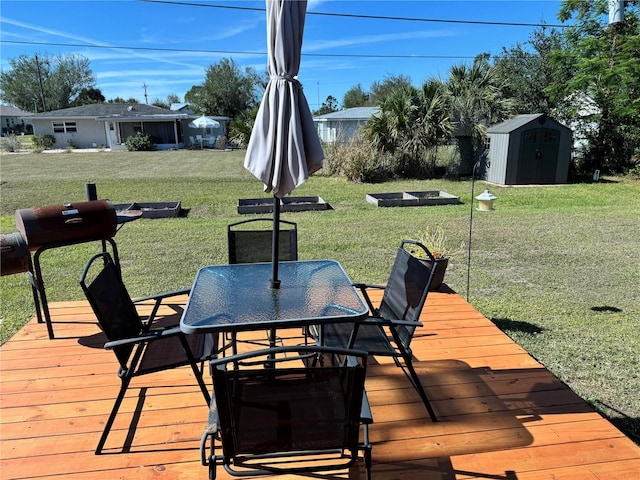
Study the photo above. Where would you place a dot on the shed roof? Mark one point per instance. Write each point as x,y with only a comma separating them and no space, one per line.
521,120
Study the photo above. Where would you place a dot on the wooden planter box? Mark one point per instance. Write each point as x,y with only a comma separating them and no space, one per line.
289,204
152,209
412,199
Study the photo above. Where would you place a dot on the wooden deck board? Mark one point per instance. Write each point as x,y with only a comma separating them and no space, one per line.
502,415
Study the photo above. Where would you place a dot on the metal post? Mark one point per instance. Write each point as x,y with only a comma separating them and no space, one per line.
473,183
91,191
275,282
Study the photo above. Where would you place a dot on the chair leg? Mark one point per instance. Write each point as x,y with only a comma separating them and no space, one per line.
194,367
367,452
112,416
418,386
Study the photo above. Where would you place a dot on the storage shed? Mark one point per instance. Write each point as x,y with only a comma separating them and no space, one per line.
528,149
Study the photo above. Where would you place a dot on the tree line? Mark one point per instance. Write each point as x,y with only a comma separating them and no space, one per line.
587,76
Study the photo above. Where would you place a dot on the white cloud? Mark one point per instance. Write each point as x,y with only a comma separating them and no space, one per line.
314,45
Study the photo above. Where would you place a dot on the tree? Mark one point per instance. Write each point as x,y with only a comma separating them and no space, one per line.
241,127
88,96
122,100
380,89
227,90
607,74
412,122
171,98
528,74
44,83
477,102
328,106
355,97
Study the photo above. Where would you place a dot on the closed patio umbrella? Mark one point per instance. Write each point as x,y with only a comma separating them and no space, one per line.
284,148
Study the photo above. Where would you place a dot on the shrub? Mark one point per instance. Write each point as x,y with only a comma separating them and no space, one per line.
140,142
358,161
43,142
11,143
221,142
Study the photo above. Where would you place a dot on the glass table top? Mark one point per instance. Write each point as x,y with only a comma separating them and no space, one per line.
238,297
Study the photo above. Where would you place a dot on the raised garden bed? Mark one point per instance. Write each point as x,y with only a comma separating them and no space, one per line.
151,209
412,199
289,204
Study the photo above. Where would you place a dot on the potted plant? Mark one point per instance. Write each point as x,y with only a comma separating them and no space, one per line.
436,242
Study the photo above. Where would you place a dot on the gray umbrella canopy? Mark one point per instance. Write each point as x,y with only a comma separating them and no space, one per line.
284,148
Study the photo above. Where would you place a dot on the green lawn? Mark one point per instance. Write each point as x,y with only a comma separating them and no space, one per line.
558,268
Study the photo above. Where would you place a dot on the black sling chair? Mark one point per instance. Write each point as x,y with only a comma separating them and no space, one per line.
389,329
139,348
301,413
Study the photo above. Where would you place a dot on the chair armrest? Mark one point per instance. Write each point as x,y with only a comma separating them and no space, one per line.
389,322
368,285
158,298
365,409
146,337
271,352
363,289
162,296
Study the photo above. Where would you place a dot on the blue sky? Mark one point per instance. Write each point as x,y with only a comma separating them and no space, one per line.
338,52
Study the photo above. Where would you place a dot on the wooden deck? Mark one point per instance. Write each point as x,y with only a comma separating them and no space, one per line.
503,416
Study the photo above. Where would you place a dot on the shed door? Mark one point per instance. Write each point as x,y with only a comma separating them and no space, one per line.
538,156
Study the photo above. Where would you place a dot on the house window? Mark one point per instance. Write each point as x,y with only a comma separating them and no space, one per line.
64,127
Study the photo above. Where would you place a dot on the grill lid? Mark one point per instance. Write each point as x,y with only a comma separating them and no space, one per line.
68,223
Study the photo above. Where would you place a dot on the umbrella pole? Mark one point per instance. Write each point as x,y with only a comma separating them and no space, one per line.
275,282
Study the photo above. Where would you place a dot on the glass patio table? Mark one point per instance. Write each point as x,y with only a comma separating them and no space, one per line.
234,298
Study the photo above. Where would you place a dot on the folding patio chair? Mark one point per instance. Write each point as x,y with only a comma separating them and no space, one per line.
139,348
248,244
288,419
390,328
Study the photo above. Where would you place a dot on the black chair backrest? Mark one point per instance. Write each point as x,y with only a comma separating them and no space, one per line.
407,288
248,245
271,410
111,303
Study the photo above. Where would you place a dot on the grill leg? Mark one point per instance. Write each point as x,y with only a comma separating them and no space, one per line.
43,295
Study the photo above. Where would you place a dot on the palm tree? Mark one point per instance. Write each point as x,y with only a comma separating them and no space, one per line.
241,127
477,102
412,122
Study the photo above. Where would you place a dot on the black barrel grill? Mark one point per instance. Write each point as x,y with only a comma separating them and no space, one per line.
66,224
53,226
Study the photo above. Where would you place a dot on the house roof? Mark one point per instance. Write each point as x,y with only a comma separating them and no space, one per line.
113,110
356,113
521,120
11,111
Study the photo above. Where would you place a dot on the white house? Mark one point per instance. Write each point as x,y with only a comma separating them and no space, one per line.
14,120
108,125
344,124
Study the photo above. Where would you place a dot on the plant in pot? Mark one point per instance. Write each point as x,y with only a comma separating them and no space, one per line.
436,242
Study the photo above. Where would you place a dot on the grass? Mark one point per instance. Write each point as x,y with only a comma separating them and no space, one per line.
557,268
